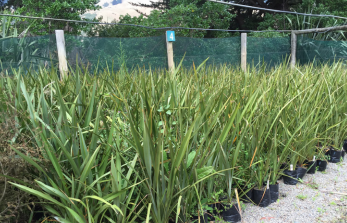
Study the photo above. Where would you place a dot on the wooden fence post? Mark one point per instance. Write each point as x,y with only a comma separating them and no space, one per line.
169,48
59,35
244,52
293,50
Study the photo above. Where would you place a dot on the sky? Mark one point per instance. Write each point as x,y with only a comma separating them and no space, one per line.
112,9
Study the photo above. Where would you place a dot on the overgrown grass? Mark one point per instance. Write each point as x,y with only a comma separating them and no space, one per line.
156,146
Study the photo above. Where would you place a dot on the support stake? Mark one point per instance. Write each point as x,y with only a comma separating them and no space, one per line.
293,50
244,52
59,35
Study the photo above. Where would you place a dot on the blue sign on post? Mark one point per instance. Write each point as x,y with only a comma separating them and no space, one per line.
170,36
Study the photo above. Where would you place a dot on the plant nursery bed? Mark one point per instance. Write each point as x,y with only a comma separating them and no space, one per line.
322,197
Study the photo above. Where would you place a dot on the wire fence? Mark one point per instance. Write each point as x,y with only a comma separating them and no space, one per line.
98,53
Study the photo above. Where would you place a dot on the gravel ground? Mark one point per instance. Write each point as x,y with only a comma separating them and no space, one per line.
317,203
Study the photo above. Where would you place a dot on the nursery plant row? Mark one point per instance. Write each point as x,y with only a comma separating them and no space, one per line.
147,145
270,193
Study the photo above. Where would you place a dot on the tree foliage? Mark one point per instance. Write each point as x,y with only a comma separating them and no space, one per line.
187,14
243,18
67,9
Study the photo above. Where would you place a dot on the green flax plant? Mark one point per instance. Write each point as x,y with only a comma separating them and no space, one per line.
265,128
273,134
305,113
87,178
178,127
150,145
336,118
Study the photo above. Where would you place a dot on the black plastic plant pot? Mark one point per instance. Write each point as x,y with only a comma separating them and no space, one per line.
322,165
311,167
231,213
274,192
343,154
335,156
262,197
327,152
301,172
248,196
290,177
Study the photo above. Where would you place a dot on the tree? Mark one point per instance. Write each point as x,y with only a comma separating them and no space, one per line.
188,13
158,5
68,9
293,22
244,18
259,19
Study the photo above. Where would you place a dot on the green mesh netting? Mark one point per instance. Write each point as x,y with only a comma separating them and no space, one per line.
92,52
317,51
217,50
111,53
27,52
101,52
272,51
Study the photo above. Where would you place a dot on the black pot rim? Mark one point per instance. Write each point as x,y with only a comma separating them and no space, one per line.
275,184
264,188
290,170
302,167
243,187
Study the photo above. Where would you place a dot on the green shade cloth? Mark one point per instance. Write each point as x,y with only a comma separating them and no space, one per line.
100,53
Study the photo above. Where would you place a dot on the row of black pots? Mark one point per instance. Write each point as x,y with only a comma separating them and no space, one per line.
264,197
231,213
291,177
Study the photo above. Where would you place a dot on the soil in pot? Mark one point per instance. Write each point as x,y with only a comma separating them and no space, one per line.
301,172
322,165
290,177
311,167
231,213
274,192
335,156
247,197
262,197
